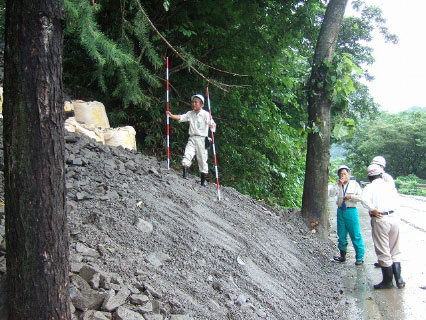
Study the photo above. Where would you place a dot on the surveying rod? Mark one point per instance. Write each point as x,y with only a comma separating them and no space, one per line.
167,109
214,148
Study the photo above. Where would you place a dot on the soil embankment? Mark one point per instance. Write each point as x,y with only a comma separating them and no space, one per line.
147,244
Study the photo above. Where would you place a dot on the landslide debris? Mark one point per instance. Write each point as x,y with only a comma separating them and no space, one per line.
147,244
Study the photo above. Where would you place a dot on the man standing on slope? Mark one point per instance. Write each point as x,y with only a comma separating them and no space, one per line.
199,124
381,200
348,193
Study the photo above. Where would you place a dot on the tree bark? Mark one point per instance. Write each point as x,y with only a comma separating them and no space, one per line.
36,222
315,191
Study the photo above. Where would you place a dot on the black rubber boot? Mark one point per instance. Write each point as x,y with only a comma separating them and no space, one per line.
396,268
341,258
203,179
185,173
386,283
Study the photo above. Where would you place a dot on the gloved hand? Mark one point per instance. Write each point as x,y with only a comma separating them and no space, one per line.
208,142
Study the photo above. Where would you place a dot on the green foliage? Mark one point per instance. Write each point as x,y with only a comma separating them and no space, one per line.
344,129
411,185
113,54
106,60
398,137
352,99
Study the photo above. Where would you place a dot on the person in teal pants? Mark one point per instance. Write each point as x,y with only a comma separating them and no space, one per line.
348,193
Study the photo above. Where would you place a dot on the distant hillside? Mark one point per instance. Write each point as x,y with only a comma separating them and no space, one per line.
416,109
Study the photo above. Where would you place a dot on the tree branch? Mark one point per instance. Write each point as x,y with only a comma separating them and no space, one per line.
215,83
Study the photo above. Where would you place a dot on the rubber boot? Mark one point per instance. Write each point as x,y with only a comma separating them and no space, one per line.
185,173
203,179
386,283
341,258
396,268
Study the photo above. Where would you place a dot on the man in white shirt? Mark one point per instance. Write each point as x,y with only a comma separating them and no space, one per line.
381,161
381,200
348,193
199,124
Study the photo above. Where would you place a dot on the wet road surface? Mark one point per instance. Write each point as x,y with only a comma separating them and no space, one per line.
404,304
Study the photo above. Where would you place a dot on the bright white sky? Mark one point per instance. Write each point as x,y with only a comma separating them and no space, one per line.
400,69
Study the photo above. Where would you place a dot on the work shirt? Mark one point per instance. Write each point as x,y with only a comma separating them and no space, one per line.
198,123
351,188
380,195
388,178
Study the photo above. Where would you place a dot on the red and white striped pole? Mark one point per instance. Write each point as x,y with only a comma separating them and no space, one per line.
214,148
167,108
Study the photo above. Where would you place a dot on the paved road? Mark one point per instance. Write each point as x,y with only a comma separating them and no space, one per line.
402,304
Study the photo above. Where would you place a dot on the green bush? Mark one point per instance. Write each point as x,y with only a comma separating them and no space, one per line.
410,185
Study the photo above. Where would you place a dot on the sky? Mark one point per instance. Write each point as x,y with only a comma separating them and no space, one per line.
399,70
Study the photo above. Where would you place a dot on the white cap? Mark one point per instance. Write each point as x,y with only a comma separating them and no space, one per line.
374,170
198,96
343,167
379,160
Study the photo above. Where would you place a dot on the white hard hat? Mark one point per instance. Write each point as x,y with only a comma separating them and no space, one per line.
343,167
379,160
374,170
198,96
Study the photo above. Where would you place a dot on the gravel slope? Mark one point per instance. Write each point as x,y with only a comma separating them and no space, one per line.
205,259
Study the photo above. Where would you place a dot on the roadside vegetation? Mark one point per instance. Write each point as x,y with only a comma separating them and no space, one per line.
400,139
256,58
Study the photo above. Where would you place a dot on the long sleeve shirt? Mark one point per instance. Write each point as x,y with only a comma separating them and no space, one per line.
380,195
352,188
198,123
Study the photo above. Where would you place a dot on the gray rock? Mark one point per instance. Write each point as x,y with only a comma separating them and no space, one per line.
139,299
144,226
113,301
241,300
153,171
180,317
76,266
87,272
95,315
156,294
82,296
123,313
77,162
262,314
105,281
147,308
157,259
86,251
153,317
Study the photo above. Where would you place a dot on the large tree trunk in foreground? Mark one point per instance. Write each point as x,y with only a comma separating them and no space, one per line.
314,201
36,232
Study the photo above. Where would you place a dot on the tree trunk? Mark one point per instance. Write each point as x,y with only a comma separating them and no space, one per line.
36,223
315,192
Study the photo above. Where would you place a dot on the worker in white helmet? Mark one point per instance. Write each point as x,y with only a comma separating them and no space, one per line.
381,200
348,193
199,124
381,161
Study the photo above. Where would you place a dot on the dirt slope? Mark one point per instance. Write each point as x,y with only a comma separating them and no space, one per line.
204,259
